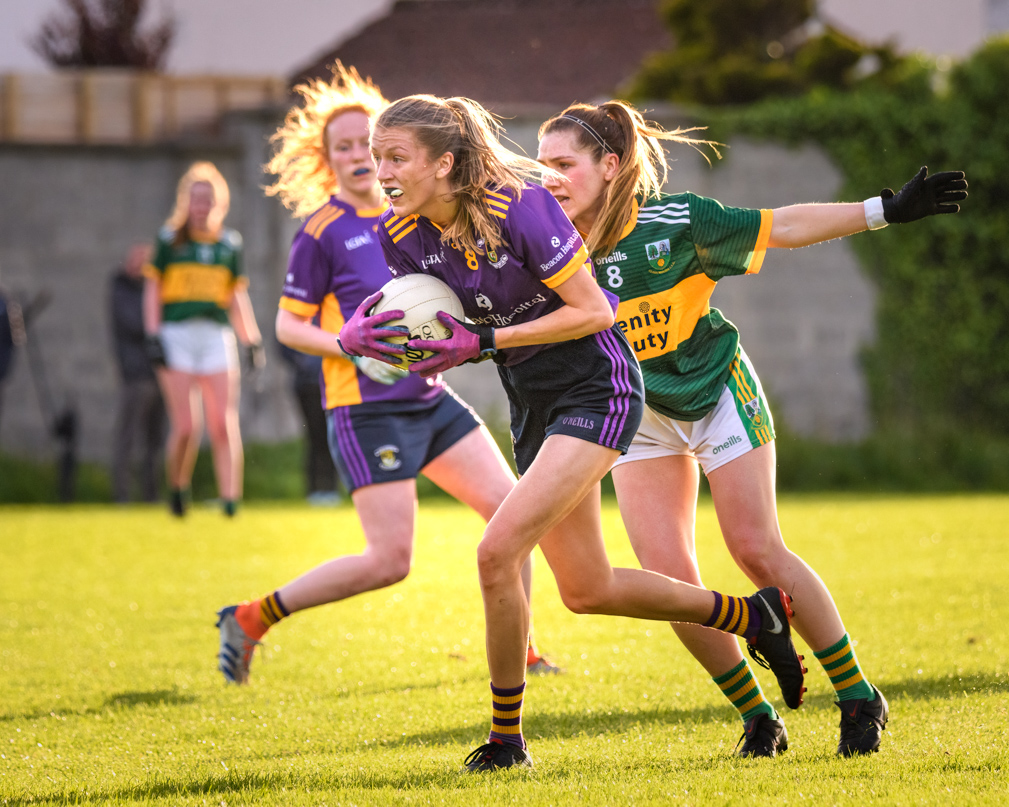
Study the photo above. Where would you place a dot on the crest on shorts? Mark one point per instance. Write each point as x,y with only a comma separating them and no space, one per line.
754,412
659,255
388,457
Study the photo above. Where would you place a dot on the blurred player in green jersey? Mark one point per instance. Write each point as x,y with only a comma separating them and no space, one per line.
196,301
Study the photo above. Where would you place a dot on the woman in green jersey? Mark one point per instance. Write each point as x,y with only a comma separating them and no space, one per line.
195,302
662,255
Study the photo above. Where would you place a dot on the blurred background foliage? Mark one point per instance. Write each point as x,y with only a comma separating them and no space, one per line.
938,372
940,361
741,51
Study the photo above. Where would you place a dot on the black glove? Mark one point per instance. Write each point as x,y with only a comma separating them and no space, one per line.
924,196
256,355
488,341
154,349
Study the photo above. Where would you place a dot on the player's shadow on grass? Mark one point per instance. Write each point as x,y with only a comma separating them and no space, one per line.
574,723
123,700
405,688
620,719
922,687
161,787
154,697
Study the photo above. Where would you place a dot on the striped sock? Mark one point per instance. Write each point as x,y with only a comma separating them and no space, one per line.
743,691
257,617
506,724
846,676
734,615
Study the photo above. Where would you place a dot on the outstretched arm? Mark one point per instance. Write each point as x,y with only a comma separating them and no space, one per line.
802,225
923,195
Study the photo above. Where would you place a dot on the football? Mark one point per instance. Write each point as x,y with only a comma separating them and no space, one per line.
420,297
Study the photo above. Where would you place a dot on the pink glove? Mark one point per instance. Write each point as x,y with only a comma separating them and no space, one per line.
468,342
362,335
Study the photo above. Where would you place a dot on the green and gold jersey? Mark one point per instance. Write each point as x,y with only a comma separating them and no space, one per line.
672,252
198,277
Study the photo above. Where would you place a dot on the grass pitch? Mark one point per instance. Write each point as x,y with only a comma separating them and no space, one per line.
109,692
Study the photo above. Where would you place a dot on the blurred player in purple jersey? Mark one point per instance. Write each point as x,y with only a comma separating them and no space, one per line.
465,211
196,301
662,254
385,425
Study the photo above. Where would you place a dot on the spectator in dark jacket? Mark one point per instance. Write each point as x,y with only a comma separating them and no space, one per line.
141,416
12,334
6,343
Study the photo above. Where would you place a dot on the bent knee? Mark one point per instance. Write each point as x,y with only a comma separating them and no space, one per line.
496,563
390,568
217,432
759,556
583,600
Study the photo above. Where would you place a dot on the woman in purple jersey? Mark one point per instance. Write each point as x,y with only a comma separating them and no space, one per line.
385,426
612,167
463,209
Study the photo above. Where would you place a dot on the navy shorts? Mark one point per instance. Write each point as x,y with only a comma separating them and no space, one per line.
384,441
589,388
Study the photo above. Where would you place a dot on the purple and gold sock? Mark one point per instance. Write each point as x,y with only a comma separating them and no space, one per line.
506,723
734,615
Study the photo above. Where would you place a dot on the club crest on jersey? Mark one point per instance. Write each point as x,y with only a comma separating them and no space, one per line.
388,457
659,256
754,412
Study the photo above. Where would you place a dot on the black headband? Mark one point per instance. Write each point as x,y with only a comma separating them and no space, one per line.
595,135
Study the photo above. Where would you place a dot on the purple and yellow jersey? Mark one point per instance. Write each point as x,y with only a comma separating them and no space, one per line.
673,251
335,263
540,250
198,276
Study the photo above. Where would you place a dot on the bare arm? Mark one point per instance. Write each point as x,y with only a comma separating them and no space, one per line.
585,311
243,319
802,225
300,333
152,305
921,196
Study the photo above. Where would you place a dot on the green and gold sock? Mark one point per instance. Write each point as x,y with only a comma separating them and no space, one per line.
743,690
846,676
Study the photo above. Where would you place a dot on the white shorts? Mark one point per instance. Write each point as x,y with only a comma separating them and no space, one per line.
199,346
740,422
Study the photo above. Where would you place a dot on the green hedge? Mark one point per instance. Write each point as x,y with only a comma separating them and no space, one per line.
940,364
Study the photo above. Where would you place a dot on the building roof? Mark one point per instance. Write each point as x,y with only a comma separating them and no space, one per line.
504,51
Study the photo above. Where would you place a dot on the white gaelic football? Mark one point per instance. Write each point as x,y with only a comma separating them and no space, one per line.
420,297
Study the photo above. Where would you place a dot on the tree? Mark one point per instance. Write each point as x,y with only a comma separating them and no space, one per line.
740,51
103,33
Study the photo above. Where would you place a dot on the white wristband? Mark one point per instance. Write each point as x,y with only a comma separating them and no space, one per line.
874,213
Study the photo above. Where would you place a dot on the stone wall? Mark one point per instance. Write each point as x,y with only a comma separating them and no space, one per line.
69,213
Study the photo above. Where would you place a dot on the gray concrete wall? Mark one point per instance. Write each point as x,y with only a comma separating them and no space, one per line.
68,214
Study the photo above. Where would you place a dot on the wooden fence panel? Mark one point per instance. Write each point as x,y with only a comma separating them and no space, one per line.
124,106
